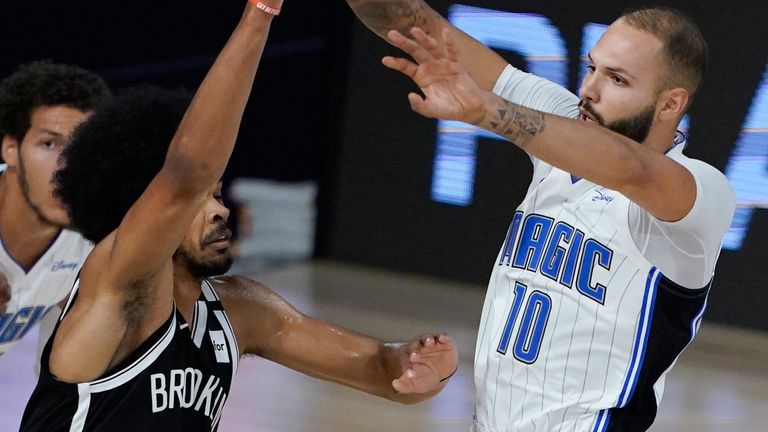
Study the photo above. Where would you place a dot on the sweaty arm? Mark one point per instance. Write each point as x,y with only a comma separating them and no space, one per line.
268,326
482,63
126,284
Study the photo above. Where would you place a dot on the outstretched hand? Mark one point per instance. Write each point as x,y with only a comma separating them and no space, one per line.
449,91
426,361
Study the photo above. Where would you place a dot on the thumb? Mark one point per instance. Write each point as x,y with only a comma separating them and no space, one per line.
420,105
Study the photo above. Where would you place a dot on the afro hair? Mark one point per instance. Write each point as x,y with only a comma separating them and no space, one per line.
115,154
44,83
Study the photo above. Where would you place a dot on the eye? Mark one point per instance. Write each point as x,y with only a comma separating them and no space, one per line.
618,80
52,144
590,69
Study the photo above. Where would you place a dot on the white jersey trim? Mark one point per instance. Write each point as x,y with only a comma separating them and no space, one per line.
210,295
209,292
132,371
200,322
83,405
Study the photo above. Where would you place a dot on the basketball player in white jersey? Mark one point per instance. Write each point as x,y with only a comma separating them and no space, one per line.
603,277
40,105
148,341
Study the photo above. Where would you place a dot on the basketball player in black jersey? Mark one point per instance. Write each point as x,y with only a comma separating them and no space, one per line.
146,341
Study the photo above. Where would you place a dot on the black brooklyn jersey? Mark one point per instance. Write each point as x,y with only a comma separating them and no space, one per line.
178,379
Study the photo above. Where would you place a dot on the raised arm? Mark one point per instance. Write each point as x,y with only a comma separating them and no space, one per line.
382,16
663,187
126,285
268,326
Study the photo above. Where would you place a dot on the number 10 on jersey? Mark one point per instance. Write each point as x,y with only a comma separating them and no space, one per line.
533,323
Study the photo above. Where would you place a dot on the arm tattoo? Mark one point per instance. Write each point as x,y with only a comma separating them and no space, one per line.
381,16
516,123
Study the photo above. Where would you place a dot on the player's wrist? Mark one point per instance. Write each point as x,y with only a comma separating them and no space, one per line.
269,7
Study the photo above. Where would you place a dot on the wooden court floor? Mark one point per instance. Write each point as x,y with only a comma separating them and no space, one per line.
719,384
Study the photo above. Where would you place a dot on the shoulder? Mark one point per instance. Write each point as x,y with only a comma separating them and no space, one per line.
243,296
237,288
258,314
707,177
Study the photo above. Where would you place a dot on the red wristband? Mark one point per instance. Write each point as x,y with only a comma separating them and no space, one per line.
262,7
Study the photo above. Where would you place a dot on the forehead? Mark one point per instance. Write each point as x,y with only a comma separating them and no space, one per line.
56,120
623,47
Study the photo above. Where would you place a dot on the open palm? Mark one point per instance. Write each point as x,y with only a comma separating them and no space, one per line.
449,91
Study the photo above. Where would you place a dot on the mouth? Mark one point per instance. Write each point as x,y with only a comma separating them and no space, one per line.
586,116
221,241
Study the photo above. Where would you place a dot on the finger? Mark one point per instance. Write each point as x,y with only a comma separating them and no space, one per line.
419,379
435,49
401,65
412,48
418,104
450,46
427,340
404,384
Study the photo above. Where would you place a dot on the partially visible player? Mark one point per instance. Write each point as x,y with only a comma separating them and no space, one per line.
150,340
41,103
604,275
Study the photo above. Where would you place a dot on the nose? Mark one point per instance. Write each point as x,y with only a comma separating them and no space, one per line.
590,88
217,212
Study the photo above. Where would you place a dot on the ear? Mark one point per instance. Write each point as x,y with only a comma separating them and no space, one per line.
10,151
672,104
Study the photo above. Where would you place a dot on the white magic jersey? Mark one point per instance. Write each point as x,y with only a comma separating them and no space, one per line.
581,322
37,289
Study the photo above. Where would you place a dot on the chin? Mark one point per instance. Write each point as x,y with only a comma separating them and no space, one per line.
57,217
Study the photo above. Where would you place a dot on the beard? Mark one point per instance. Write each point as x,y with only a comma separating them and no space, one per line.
204,268
200,268
636,127
24,185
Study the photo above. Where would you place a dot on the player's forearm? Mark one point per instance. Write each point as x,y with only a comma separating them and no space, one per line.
206,136
381,16
584,150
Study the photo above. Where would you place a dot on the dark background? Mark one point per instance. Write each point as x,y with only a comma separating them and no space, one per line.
324,109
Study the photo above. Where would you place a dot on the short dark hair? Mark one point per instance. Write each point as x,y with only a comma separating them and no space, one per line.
115,154
44,83
685,49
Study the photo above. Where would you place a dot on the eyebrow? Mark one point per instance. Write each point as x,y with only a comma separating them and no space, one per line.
52,132
612,69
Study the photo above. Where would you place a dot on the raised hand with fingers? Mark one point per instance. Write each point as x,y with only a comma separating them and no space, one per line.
449,92
427,362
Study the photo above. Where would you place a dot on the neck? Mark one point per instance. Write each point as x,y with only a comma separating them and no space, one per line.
661,138
186,289
25,236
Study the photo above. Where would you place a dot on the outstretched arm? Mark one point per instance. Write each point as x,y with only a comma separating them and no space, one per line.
657,183
126,284
382,16
268,326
